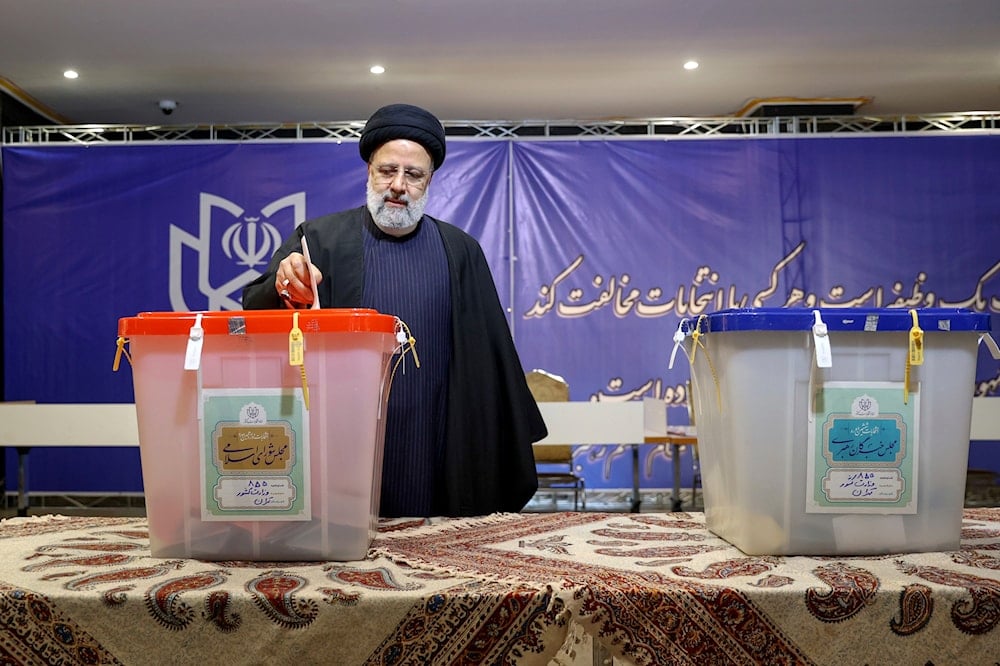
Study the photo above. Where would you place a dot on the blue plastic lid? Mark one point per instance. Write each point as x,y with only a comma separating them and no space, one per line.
843,319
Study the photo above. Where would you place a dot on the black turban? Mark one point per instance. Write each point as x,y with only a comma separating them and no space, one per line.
403,121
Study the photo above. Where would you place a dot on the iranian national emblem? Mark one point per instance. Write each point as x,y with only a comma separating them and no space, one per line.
231,249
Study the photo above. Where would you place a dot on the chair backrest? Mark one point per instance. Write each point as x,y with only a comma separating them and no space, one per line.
547,387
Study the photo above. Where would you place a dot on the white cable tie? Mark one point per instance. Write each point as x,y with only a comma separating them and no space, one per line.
196,338
679,336
821,339
991,344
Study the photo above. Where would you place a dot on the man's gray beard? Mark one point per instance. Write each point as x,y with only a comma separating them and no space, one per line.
395,218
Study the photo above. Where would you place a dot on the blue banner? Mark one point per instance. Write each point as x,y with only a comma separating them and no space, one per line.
599,249
96,233
626,238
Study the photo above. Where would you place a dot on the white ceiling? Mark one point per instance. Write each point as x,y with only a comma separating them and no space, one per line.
270,61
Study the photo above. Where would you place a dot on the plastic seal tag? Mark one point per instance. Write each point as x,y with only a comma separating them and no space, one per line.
196,338
296,353
679,336
407,343
121,351
991,344
821,338
916,352
413,349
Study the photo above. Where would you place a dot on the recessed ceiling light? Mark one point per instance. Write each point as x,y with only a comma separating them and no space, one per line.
71,74
691,64
377,69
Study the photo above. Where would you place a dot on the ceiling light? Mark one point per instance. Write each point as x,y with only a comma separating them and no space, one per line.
71,74
691,64
377,69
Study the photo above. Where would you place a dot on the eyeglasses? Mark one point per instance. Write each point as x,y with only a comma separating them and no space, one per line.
386,173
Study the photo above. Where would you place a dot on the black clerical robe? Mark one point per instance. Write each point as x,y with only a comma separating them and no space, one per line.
492,418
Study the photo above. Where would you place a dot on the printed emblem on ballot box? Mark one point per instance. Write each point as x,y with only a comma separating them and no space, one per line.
255,455
863,449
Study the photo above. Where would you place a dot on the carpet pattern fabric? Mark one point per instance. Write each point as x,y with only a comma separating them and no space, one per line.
504,589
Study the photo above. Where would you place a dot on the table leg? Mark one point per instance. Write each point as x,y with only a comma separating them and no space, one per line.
675,500
22,480
636,498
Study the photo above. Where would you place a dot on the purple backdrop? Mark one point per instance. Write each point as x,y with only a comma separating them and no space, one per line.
611,243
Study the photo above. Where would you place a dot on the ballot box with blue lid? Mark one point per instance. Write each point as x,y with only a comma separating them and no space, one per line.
834,431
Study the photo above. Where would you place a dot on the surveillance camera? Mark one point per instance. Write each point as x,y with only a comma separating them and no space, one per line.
168,106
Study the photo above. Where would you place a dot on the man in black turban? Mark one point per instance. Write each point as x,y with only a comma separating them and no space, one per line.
459,429
403,121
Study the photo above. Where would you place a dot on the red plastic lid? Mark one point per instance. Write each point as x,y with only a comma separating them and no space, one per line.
248,322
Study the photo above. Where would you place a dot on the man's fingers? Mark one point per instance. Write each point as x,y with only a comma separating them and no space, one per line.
295,278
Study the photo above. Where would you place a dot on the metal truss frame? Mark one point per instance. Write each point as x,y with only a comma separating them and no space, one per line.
637,128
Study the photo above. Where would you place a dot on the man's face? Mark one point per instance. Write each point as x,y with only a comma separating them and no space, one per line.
399,173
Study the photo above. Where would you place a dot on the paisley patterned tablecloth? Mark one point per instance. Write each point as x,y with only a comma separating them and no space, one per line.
502,589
